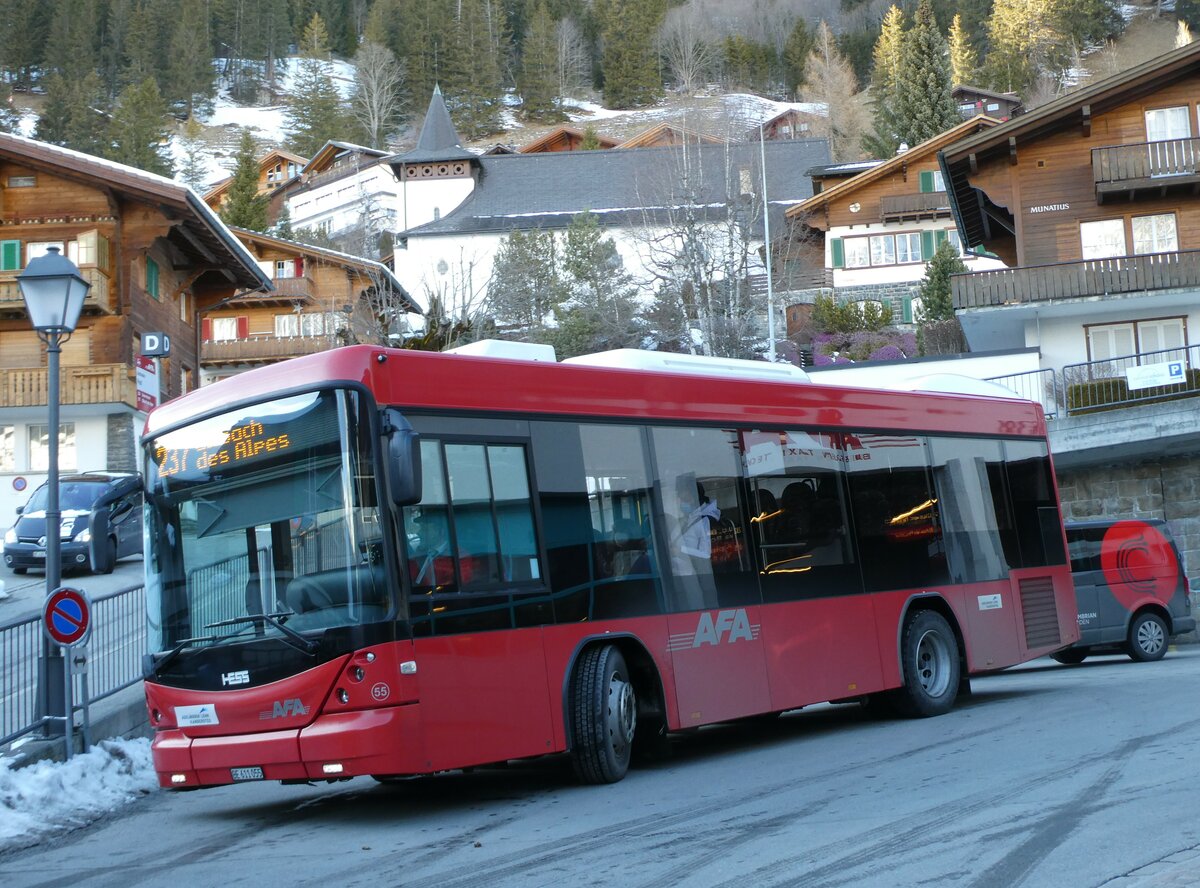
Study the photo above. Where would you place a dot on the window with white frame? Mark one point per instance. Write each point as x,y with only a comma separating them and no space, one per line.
858,252
287,325
883,249
908,247
1102,239
312,324
955,241
285,268
1155,234
1161,335
1167,337
224,329
34,249
39,447
8,452
1168,123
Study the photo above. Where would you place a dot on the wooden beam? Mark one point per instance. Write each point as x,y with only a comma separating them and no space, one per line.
1087,121
196,243
1012,150
973,163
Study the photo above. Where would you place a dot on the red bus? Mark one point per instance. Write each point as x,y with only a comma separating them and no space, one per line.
381,562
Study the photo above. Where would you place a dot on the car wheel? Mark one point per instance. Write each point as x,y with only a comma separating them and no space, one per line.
20,570
1070,656
603,716
108,560
1147,638
929,655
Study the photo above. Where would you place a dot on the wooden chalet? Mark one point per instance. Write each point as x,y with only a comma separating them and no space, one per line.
974,100
320,299
791,123
275,169
565,138
666,135
155,255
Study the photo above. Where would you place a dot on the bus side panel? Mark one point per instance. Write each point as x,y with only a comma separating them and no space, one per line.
992,628
483,697
822,650
563,643
720,666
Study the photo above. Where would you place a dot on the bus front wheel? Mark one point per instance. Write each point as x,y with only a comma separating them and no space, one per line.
929,654
603,715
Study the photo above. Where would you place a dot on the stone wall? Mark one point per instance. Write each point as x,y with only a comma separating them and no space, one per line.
122,451
1167,488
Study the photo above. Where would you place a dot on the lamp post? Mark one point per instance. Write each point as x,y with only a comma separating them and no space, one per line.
53,290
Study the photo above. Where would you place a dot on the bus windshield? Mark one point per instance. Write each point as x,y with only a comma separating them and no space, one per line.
269,509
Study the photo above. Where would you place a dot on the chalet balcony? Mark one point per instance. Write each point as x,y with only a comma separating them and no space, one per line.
262,349
99,298
1033,284
911,207
1148,169
294,287
96,384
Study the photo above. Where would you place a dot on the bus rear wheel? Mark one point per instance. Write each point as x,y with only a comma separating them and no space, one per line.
603,715
1070,656
929,656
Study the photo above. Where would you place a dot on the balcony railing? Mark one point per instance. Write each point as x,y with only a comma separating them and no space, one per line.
262,349
1104,385
927,205
97,384
1073,280
1035,385
294,287
1146,165
99,296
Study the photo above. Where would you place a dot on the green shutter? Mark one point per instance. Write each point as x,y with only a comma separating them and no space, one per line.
906,310
939,238
152,277
926,181
839,252
926,245
10,255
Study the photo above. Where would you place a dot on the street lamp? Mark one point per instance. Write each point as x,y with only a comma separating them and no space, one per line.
53,290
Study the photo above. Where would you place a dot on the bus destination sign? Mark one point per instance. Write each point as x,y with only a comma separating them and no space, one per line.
243,442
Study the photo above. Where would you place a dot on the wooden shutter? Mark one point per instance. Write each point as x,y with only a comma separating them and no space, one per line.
926,179
838,251
300,267
152,277
243,327
205,332
926,245
10,255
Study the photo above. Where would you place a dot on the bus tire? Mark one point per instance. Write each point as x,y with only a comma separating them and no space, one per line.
1070,656
603,715
931,671
1147,637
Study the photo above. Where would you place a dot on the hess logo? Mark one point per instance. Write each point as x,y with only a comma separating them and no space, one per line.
241,677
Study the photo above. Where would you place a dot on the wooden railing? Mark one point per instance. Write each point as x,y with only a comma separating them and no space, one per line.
294,286
263,348
1071,280
97,384
931,203
99,296
1146,160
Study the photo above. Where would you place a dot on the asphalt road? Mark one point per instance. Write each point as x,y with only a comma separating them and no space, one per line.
27,591
1046,776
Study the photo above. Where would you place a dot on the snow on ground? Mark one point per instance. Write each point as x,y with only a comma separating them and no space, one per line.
50,797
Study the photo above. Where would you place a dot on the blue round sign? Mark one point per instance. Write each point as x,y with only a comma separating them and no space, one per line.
67,616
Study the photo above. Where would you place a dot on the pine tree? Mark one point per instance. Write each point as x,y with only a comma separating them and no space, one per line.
526,286
795,54
963,59
473,80
314,109
885,84
189,71
244,207
628,58
137,132
193,172
25,27
829,79
925,105
283,223
937,304
71,41
1024,41
590,140
73,114
599,286
538,82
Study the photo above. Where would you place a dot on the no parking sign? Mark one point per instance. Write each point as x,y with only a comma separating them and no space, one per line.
67,616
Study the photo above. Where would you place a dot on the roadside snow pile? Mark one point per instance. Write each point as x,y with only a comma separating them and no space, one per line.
51,796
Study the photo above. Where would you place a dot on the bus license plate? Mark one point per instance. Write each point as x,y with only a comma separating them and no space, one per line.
240,774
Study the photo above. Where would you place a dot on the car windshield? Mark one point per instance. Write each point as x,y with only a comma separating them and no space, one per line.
269,509
72,496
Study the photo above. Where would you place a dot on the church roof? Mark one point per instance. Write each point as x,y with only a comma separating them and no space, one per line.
439,139
627,188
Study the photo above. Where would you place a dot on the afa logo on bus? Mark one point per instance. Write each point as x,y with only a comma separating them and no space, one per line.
727,626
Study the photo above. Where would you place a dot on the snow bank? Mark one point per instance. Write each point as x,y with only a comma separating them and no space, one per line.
48,797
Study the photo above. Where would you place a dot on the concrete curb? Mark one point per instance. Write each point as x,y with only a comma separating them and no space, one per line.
121,715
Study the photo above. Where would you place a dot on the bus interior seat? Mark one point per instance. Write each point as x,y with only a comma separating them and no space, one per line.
328,589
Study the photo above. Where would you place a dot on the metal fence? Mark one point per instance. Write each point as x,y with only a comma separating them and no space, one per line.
1034,385
1103,385
114,660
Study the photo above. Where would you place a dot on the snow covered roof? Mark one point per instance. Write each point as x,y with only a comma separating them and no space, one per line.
152,188
523,191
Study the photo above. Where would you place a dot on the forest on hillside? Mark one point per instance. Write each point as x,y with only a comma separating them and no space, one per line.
117,75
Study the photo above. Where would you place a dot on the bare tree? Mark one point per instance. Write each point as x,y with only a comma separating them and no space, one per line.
686,43
698,244
379,91
829,81
574,63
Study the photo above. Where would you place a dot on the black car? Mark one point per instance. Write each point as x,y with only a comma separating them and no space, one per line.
107,505
1131,589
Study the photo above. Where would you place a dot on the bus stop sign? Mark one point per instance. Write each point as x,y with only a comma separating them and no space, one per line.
67,616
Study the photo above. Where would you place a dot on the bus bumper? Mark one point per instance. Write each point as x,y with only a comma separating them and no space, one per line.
335,746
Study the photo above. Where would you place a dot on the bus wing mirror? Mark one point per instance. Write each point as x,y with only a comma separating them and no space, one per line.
403,458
